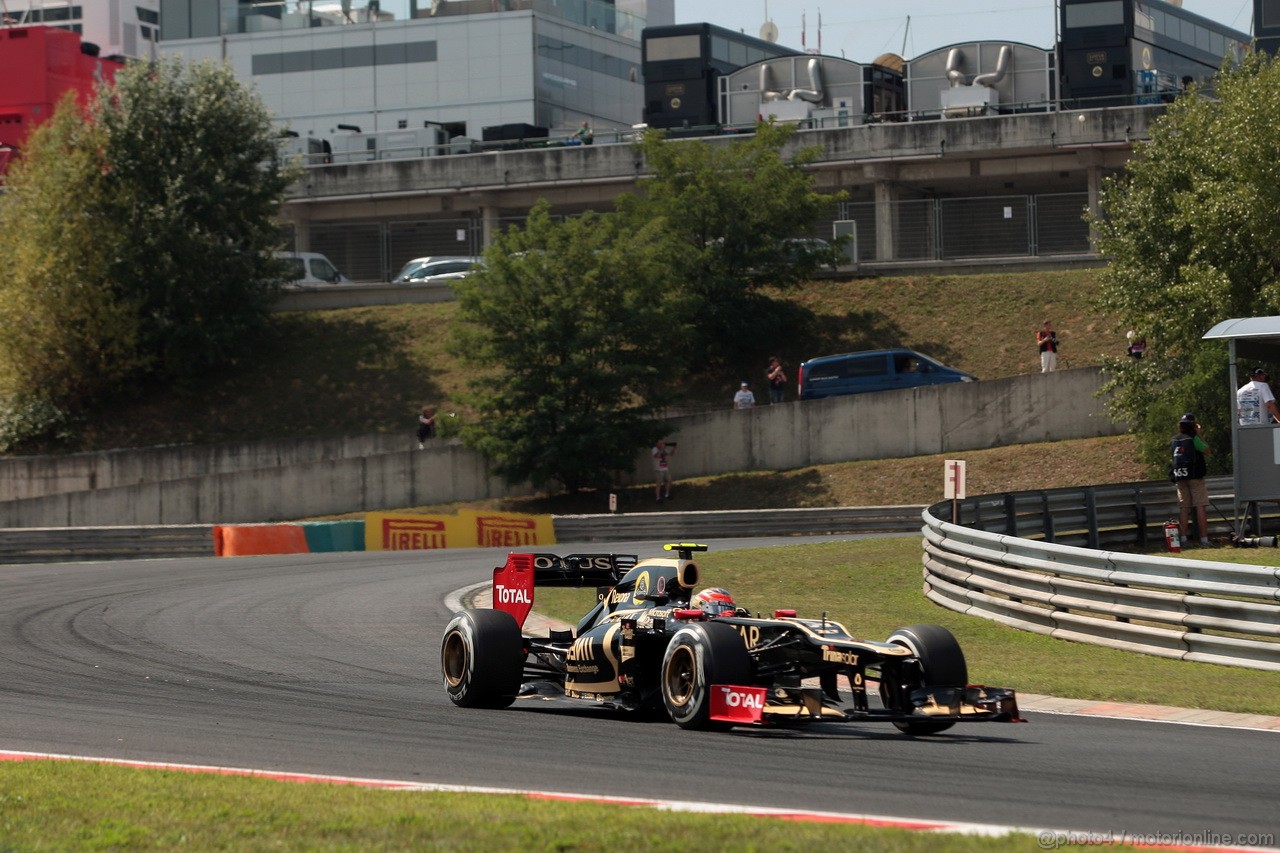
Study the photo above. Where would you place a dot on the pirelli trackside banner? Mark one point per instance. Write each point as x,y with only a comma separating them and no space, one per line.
398,531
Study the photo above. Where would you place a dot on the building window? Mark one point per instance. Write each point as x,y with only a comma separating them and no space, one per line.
1106,14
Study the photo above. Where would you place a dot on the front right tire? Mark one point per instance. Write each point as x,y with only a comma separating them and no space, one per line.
482,659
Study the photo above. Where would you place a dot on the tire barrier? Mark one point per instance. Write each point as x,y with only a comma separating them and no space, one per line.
242,540
1195,610
308,537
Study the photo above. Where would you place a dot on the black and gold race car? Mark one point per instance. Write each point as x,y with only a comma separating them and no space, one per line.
652,645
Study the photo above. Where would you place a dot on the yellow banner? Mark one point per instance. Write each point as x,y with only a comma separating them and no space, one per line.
400,531
508,529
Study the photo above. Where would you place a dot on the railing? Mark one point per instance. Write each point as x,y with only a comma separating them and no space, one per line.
270,15
63,544
1171,607
1129,514
746,522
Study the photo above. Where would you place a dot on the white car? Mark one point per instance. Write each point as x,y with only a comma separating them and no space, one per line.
311,268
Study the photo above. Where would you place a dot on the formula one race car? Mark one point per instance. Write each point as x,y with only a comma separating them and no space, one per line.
650,644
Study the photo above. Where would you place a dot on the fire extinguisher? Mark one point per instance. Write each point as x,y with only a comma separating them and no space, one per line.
1171,538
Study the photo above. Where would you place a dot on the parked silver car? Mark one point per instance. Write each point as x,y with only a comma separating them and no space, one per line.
437,269
416,264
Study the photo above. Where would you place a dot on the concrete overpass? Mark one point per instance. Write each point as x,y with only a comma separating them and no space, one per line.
879,164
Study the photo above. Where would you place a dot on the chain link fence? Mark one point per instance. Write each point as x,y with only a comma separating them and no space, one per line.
943,229
936,229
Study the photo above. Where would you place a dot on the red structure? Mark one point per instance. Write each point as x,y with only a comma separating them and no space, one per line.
38,65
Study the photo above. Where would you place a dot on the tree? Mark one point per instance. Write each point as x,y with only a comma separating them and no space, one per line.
1192,230
196,178
137,242
65,337
569,327
729,209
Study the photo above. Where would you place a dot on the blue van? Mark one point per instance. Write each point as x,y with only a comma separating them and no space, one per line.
877,370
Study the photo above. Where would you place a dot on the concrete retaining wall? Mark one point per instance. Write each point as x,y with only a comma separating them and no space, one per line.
445,472
289,480
24,477
330,296
915,422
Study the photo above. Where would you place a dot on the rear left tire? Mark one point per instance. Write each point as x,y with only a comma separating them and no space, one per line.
482,659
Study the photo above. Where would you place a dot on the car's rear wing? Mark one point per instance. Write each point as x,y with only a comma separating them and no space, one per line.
514,583
581,569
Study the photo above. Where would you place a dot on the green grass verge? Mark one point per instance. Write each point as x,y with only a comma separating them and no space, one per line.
60,805
874,586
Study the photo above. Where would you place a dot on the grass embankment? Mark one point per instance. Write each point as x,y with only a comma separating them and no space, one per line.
359,370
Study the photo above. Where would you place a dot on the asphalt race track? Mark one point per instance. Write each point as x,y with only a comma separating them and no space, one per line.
329,664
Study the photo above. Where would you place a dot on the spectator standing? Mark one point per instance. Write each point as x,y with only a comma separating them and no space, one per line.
1255,404
585,136
1188,471
1047,341
1137,345
662,453
426,425
744,399
777,380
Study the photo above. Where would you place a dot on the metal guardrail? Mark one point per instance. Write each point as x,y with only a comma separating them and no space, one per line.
1170,607
745,522
63,544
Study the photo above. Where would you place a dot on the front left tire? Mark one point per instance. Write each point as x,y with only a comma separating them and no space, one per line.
941,664
700,655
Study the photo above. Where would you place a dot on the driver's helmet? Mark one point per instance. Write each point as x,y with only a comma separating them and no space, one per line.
714,601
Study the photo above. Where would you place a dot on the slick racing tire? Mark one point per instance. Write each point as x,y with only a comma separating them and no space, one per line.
700,655
941,665
482,659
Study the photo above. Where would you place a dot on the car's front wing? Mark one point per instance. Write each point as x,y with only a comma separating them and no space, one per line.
798,705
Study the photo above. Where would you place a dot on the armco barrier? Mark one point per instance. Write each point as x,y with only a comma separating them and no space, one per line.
746,522
1172,607
63,544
